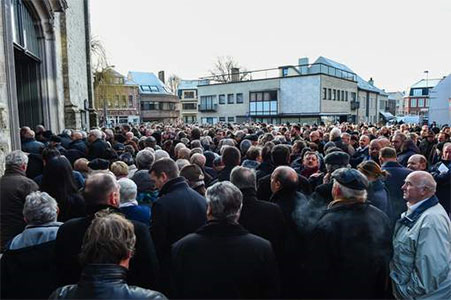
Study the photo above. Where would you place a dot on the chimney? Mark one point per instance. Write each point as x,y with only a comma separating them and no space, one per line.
161,76
235,74
371,81
303,65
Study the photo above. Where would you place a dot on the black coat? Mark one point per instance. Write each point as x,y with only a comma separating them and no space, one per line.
393,183
105,281
143,265
97,149
359,156
349,254
264,187
443,180
79,145
224,174
265,168
223,260
263,218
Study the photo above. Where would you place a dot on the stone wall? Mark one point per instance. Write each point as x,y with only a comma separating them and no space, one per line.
5,139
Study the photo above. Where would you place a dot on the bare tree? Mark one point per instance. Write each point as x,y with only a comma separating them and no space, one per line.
173,83
223,68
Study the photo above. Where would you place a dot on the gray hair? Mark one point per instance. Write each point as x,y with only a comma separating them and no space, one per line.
67,132
97,133
144,159
335,133
225,201
351,194
181,162
159,154
16,158
128,190
40,208
243,177
244,146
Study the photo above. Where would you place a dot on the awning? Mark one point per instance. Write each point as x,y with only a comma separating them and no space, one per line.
387,115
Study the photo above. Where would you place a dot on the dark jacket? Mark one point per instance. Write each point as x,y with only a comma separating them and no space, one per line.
378,196
394,182
104,282
223,260
65,140
32,146
79,145
265,168
143,265
404,156
349,254
263,218
27,266
97,149
140,213
443,180
323,194
14,187
359,156
224,174
264,187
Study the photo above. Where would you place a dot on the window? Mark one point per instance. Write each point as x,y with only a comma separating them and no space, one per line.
154,89
346,96
188,95
145,88
421,102
116,100
353,96
334,95
209,120
231,119
221,99
239,98
324,93
130,101
189,106
230,99
342,95
413,102
263,103
338,95
222,119
417,92
208,102
329,94
427,102
124,101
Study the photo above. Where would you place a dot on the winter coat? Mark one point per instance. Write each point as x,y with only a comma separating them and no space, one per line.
421,264
443,180
393,183
97,149
265,168
79,145
139,213
223,260
349,254
378,196
32,146
251,164
359,156
14,187
27,266
104,281
264,187
404,156
143,269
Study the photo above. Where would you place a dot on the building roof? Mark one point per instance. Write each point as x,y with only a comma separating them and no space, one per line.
148,83
423,83
361,83
191,84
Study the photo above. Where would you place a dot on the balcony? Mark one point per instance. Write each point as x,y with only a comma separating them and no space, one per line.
355,105
207,107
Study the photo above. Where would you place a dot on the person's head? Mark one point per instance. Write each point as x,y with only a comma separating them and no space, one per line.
398,140
285,178
127,190
162,171
243,178
374,149
443,137
81,165
314,136
244,146
40,208
101,189
77,135
417,162
364,141
181,163
336,160
177,149
94,135
195,178
387,154
334,134
144,159
349,185
418,185
119,169
110,239
231,156
266,151
254,153
198,159
346,138
58,179
184,153
280,155
372,170
159,154
16,160
224,202
310,160
446,152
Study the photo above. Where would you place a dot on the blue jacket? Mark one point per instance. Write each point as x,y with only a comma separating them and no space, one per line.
140,213
32,146
378,196
394,182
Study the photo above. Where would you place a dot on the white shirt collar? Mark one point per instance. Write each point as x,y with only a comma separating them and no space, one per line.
411,207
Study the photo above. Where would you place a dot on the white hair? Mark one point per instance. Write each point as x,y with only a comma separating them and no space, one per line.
97,133
40,208
16,158
351,194
335,133
181,162
128,190
225,200
159,154
144,159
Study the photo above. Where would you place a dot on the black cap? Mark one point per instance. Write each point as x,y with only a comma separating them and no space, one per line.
99,164
351,178
337,158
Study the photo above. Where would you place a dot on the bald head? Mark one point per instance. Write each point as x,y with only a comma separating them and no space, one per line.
284,177
418,186
417,162
77,136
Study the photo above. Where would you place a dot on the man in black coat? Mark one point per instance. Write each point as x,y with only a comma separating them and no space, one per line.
261,218
97,146
222,259
441,172
78,143
231,157
179,210
101,192
349,253
394,181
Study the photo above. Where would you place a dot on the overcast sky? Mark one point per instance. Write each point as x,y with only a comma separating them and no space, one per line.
393,41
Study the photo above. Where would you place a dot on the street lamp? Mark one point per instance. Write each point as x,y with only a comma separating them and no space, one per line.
427,87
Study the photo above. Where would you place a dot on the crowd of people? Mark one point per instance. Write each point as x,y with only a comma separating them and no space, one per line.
248,210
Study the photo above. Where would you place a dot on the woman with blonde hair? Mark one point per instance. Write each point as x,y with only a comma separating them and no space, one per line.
119,169
377,192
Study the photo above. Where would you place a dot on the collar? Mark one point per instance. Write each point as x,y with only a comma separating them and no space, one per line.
128,204
411,207
249,194
15,171
409,219
222,228
171,184
103,272
92,209
391,164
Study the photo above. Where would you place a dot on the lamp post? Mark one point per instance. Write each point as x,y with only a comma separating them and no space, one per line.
427,87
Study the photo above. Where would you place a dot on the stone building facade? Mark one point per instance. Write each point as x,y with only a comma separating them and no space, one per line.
45,75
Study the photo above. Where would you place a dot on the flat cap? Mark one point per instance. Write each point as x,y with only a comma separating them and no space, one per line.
99,164
351,178
337,158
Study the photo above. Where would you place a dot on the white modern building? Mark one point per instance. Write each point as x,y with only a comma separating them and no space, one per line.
440,102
